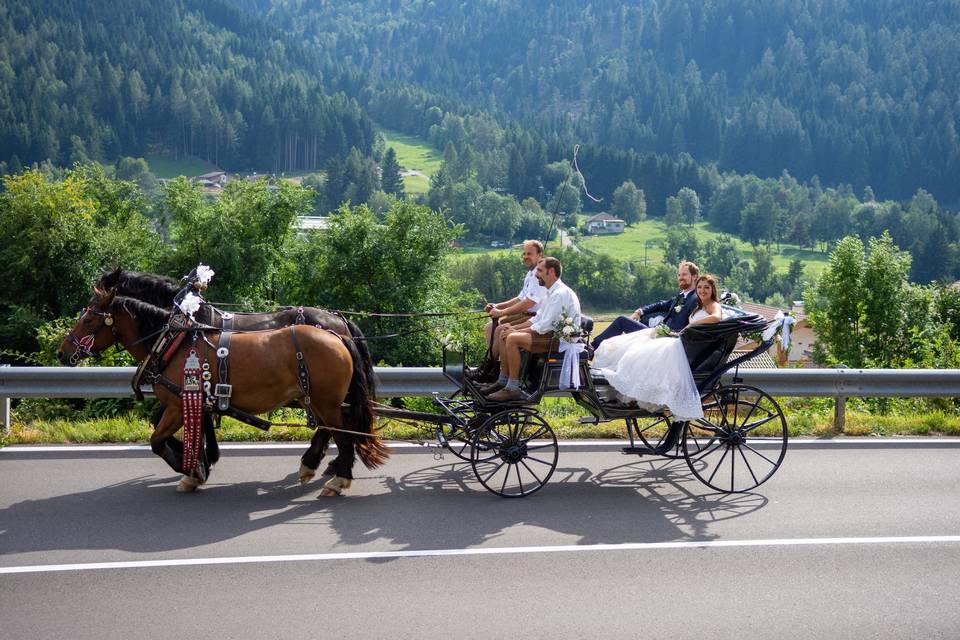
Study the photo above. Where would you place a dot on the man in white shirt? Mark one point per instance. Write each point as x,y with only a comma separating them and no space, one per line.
516,312
539,336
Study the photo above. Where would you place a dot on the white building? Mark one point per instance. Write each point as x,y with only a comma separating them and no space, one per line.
604,223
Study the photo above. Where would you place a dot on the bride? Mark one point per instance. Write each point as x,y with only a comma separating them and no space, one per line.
653,370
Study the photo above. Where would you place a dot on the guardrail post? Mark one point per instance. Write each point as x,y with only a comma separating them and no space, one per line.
4,410
4,414
839,413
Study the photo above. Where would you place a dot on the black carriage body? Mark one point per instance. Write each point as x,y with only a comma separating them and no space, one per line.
500,438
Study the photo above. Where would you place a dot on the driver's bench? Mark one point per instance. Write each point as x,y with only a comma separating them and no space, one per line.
540,372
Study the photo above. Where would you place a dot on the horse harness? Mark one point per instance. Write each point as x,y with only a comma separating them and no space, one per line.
215,398
83,347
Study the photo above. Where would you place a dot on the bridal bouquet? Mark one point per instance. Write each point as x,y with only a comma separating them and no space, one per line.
566,329
662,330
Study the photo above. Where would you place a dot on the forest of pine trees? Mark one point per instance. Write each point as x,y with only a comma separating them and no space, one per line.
794,122
97,80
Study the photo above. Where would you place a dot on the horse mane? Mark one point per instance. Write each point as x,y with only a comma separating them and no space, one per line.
151,317
151,288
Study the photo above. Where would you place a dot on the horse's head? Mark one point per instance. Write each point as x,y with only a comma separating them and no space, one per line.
94,331
110,279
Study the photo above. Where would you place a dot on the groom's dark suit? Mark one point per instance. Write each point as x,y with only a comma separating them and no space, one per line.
675,318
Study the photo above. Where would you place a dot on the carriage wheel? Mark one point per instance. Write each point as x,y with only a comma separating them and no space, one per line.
514,453
740,442
458,436
654,436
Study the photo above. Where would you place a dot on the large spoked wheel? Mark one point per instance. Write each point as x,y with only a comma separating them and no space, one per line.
514,453
740,442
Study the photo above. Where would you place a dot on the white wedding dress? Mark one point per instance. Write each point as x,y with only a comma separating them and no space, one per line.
651,371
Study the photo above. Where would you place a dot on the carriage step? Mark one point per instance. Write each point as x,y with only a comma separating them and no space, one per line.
589,420
639,451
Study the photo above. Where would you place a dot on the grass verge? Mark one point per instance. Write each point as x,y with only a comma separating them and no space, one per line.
804,419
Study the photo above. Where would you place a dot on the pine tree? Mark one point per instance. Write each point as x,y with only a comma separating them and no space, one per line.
390,180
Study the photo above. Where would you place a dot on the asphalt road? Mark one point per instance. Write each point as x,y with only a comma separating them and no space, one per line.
844,542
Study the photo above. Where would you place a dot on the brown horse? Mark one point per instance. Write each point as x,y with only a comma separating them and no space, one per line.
160,291
264,374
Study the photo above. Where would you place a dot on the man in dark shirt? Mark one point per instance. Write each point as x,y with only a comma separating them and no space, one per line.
677,309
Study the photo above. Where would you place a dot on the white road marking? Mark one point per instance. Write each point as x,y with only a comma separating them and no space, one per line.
380,555
612,444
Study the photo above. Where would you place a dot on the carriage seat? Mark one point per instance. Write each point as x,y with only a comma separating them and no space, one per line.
586,323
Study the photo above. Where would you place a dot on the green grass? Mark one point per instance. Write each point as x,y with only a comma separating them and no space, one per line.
413,152
806,417
629,245
167,167
415,185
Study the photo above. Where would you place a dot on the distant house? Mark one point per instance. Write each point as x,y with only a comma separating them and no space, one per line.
213,176
604,223
212,182
306,224
802,336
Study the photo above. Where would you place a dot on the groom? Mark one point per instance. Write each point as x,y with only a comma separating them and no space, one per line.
677,309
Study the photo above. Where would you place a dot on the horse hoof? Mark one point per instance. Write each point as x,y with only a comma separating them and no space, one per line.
187,484
306,473
335,486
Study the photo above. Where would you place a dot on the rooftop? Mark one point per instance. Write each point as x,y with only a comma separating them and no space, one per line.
605,217
769,313
759,361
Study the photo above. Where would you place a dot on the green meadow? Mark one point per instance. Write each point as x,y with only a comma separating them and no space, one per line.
167,167
414,154
644,241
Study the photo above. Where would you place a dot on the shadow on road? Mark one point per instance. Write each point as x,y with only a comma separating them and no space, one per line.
441,506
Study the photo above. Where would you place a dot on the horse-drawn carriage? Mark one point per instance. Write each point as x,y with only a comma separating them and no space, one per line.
512,449
738,444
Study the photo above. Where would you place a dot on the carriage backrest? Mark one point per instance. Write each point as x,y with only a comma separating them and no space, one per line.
705,356
708,346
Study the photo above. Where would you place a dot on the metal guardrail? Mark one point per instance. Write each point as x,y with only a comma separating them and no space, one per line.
114,382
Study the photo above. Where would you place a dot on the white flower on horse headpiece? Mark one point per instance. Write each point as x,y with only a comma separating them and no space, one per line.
204,274
190,304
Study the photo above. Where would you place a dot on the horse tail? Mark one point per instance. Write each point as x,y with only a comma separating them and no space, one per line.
364,354
370,449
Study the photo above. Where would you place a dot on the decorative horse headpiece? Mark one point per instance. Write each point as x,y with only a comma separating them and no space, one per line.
83,345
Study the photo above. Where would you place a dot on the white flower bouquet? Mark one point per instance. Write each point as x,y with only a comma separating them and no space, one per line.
662,331
566,329
450,342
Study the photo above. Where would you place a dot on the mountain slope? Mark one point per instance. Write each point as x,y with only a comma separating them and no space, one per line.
863,92
97,79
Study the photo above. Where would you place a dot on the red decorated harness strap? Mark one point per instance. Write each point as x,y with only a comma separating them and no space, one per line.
191,398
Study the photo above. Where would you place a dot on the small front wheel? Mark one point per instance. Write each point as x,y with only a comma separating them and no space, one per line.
456,439
456,435
514,453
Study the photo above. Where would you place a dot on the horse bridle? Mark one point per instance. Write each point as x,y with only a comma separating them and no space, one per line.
83,347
